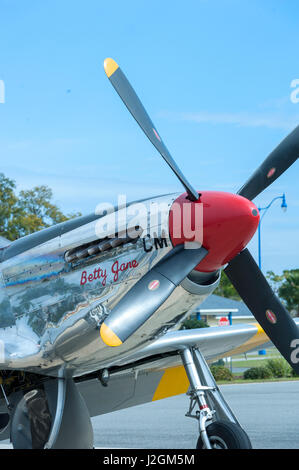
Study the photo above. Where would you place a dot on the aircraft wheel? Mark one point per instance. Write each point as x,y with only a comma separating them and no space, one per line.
225,435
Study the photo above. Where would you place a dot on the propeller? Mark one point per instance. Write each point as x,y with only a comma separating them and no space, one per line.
155,287
149,293
127,94
285,154
255,291
244,273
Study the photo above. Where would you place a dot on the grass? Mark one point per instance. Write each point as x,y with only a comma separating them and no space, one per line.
239,380
249,363
254,360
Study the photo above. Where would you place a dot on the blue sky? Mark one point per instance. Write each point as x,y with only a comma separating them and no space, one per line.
214,75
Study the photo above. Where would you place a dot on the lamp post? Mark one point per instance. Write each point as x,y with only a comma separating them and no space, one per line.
284,208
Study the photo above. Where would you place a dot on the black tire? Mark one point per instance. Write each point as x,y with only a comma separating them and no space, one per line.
225,435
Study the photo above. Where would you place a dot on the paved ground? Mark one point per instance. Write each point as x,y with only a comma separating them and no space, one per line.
269,412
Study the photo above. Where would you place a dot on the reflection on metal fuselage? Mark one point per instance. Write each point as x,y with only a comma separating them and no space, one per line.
51,310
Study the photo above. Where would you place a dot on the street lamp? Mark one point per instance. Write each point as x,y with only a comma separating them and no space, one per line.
284,208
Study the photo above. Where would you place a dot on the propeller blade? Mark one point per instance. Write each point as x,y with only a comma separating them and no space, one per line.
134,105
275,164
149,293
255,291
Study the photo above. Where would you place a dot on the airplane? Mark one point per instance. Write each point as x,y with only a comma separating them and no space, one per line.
91,309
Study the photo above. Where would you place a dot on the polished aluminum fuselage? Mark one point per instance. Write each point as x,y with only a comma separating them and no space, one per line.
51,310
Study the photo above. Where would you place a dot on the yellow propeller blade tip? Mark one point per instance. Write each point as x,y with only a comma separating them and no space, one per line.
109,337
110,66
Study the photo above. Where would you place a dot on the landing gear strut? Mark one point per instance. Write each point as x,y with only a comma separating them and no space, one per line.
218,427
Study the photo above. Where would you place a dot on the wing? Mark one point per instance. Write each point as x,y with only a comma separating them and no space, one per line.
156,372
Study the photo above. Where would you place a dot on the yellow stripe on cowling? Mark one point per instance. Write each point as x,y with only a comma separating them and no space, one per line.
173,382
109,337
110,66
257,339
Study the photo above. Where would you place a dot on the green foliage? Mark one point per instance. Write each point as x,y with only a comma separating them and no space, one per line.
191,323
221,373
286,287
220,362
294,374
226,289
27,212
8,207
257,373
279,367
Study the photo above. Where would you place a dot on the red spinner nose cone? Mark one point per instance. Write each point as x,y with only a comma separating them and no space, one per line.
223,223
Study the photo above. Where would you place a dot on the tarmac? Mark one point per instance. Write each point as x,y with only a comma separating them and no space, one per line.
268,412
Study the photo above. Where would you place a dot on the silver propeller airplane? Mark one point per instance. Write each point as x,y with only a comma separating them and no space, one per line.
91,309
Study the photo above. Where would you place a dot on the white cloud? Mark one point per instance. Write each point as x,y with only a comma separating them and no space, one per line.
241,119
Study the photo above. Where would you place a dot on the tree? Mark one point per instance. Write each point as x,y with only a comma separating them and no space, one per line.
286,287
8,207
191,323
27,212
226,289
